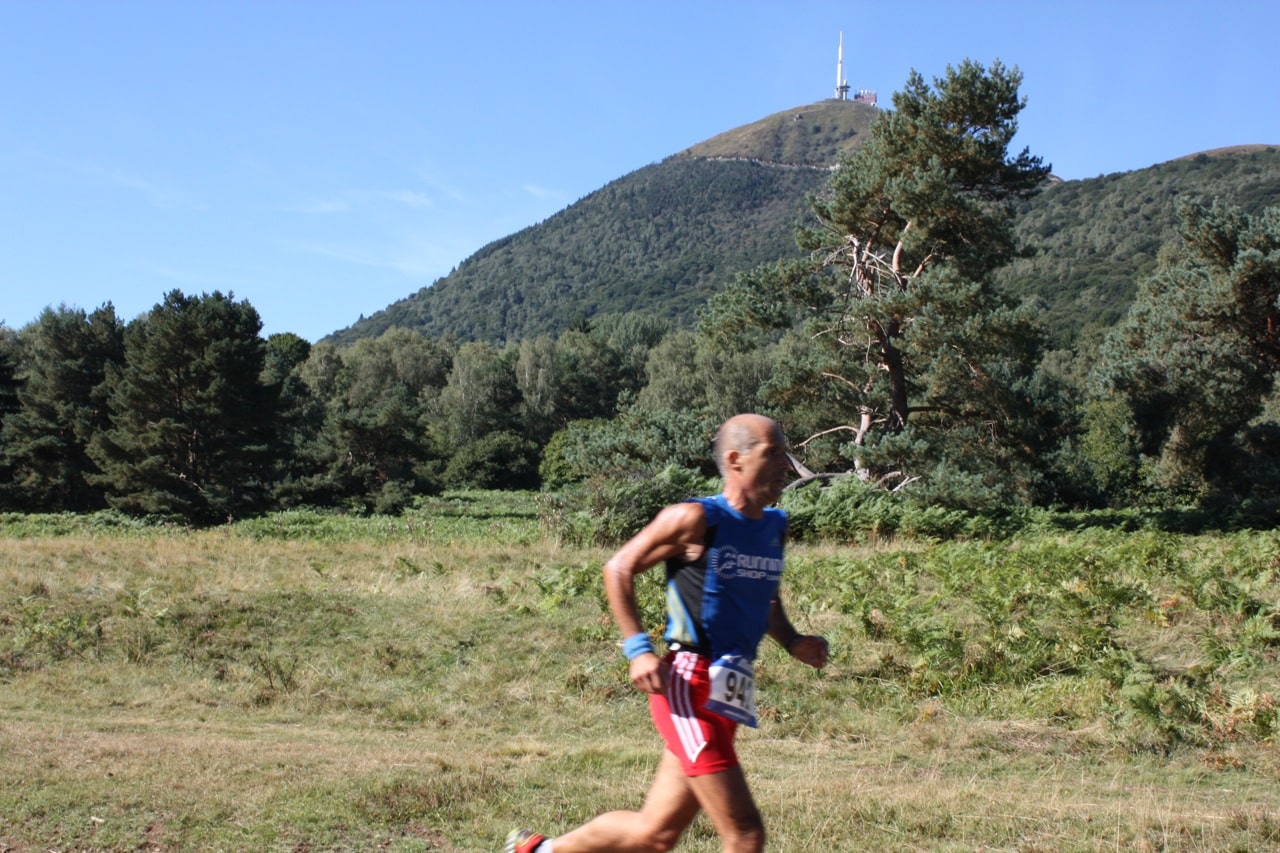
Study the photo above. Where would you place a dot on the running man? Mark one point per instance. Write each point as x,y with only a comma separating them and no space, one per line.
723,557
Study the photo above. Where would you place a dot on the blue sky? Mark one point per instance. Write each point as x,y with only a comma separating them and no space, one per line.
324,159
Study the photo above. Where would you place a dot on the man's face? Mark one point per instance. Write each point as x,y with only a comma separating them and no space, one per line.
766,466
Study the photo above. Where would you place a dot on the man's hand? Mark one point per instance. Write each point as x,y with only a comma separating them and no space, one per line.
807,649
648,673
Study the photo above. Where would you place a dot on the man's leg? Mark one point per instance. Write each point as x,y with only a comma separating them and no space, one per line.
672,803
727,800
669,807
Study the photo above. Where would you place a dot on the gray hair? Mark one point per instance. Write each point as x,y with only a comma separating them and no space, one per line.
741,433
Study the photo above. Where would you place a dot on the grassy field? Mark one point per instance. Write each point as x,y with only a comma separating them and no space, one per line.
306,682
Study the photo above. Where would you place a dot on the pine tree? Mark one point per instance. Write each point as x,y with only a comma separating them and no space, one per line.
192,424
1196,356
908,351
299,412
8,406
63,406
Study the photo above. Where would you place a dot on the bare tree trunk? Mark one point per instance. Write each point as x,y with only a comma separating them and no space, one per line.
864,426
897,388
891,361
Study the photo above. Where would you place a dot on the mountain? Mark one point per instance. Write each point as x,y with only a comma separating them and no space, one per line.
815,135
665,237
657,241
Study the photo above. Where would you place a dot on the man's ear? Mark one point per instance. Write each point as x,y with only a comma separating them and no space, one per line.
731,458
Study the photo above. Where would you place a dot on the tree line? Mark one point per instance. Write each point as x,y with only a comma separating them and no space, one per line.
883,345
188,412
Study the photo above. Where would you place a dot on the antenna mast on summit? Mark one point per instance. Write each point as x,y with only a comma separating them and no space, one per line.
842,85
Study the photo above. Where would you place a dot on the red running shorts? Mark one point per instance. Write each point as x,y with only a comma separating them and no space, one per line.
701,739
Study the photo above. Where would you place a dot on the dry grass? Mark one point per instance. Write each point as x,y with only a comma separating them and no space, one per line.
427,688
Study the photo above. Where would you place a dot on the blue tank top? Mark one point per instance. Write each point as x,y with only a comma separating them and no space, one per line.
719,603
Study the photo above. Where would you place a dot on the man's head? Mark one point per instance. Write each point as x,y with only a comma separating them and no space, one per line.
751,453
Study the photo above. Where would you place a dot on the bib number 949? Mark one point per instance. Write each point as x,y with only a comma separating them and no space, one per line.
733,689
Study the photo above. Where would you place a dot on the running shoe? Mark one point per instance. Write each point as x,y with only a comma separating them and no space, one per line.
523,841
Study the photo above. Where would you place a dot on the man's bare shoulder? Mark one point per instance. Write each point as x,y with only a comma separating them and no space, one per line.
683,513
676,531
682,522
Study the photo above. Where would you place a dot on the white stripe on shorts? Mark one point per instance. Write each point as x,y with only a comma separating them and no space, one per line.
683,712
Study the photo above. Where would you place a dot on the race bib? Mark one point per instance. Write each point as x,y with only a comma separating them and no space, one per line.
733,689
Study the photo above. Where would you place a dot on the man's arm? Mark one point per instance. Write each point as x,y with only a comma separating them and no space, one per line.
805,648
675,531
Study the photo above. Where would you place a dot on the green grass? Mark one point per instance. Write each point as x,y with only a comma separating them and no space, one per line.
318,682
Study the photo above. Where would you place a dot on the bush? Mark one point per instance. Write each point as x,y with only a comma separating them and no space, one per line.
609,510
850,510
554,469
500,460
393,498
1111,446
637,441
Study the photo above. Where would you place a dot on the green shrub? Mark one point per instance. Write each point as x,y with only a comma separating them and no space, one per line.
609,510
500,460
1111,446
637,441
554,469
850,510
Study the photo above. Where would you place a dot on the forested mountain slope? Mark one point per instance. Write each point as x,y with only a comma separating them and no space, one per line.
1088,242
659,240
663,238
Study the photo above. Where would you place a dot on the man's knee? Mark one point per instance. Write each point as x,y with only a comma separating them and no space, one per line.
662,839
749,832
656,841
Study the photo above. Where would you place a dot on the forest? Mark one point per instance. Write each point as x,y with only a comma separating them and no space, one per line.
904,342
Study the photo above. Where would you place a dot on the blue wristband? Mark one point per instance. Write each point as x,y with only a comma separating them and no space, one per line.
636,645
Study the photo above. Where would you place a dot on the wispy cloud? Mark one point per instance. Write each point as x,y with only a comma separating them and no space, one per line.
157,193
353,199
412,261
408,198
319,207
198,278
542,192
441,188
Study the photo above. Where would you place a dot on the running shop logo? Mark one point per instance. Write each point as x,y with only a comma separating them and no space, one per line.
731,563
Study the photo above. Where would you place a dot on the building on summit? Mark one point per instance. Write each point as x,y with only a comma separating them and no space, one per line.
863,96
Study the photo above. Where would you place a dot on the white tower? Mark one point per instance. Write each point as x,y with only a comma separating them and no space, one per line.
842,85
